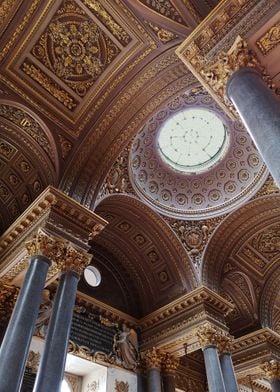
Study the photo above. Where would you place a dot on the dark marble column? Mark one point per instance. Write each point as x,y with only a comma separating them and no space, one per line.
141,383
228,372
16,342
209,339
153,363
259,109
169,366
51,368
272,373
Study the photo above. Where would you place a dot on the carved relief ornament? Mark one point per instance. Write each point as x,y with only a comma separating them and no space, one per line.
121,386
272,370
169,363
208,335
8,297
62,252
239,56
153,358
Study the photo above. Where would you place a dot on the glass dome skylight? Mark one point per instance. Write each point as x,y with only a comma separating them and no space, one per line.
192,140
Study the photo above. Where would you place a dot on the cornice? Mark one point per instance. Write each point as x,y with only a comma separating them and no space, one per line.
56,213
201,295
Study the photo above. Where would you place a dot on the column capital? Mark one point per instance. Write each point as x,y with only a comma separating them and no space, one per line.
8,297
169,363
208,335
62,252
74,259
44,244
272,370
153,358
225,343
237,57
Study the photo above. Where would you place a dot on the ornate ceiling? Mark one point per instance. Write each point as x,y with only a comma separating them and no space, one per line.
84,87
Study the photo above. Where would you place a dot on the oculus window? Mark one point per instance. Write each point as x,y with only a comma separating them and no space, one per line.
192,140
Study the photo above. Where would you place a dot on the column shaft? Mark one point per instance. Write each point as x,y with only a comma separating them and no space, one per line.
228,373
16,342
169,383
141,384
259,109
51,369
154,380
275,385
213,369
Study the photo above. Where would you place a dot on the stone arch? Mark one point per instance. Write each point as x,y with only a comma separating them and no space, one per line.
147,249
28,160
270,301
233,233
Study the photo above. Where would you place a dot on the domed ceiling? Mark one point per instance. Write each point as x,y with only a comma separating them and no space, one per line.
200,166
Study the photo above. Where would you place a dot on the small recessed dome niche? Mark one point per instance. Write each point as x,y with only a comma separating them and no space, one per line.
191,161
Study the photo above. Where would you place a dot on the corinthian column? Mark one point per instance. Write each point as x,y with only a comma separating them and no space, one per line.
153,363
51,370
209,339
169,366
14,349
272,373
225,345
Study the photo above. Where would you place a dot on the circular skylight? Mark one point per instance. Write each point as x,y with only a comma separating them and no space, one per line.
92,276
192,140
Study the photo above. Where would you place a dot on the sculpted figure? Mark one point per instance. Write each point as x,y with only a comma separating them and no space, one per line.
44,314
126,347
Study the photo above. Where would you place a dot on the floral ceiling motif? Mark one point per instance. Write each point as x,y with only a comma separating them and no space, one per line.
75,48
165,8
226,185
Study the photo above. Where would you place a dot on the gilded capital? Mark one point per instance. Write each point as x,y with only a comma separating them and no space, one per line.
73,259
169,363
46,245
239,56
208,335
272,370
8,297
225,343
153,358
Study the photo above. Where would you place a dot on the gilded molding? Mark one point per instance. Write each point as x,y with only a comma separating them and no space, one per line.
49,85
272,370
152,358
270,40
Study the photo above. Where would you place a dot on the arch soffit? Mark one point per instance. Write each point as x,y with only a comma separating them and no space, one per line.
146,238
233,233
270,300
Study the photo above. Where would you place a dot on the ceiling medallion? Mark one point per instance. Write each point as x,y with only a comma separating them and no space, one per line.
191,161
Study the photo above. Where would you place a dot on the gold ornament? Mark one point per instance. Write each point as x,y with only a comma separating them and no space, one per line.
207,335
169,363
272,370
153,358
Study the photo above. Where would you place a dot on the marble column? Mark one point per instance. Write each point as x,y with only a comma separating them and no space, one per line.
272,373
169,366
209,337
153,364
259,109
141,383
230,381
51,368
17,339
